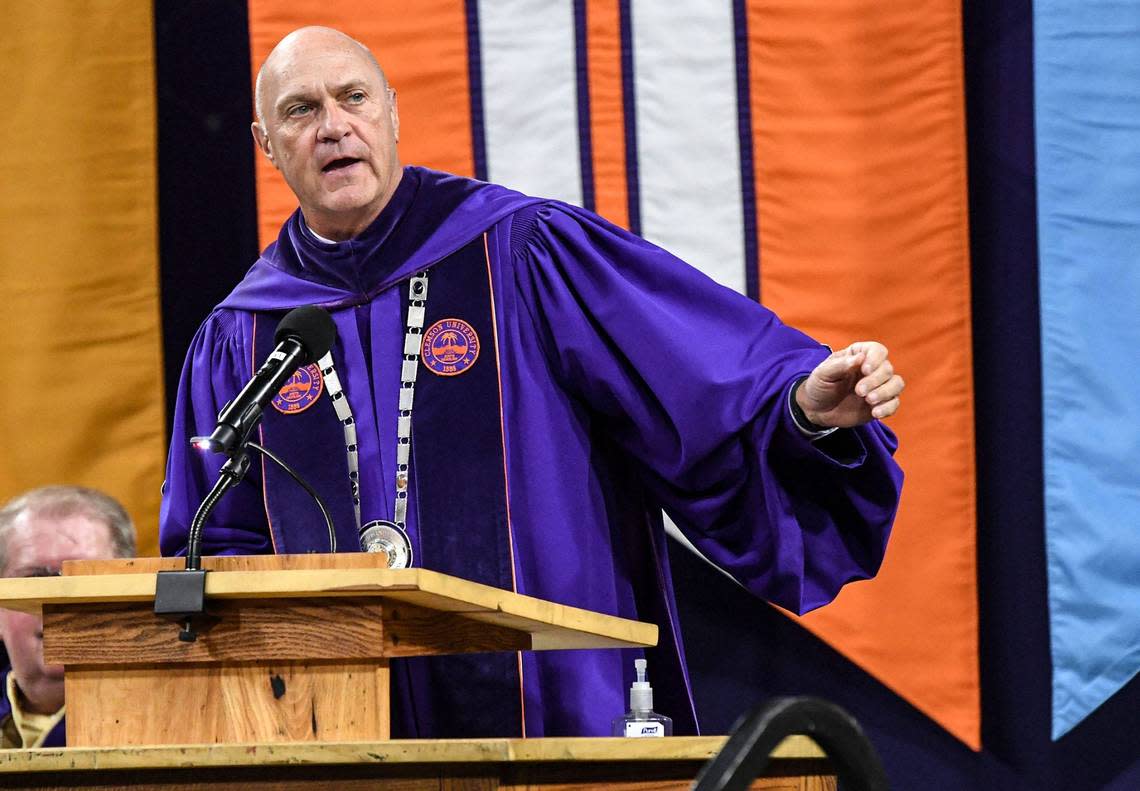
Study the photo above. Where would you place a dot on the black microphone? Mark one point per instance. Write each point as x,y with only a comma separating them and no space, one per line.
304,335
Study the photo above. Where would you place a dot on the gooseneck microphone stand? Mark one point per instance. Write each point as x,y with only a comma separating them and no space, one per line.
305,334
229,476
181,595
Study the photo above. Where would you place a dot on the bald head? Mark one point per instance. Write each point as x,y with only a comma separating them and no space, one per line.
299,44
327,119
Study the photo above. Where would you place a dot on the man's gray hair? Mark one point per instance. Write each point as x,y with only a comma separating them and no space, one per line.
61,502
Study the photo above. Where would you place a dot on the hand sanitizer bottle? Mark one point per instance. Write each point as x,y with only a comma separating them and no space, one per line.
641,721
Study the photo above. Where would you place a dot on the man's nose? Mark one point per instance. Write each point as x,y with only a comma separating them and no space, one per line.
334,122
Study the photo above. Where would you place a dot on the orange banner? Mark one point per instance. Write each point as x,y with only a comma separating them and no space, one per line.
859,141
429,73
607,119
78,235
858,150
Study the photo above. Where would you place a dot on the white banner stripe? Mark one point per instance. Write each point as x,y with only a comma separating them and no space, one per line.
530,97
688,149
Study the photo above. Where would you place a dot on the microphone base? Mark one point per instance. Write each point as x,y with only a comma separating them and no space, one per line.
180,596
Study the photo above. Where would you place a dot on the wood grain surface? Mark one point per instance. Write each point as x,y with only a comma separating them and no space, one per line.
227,703
552,625
557,764
251,630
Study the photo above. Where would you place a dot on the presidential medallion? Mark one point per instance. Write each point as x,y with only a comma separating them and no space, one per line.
381,535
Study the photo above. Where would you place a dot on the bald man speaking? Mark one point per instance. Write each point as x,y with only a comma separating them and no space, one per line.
518,388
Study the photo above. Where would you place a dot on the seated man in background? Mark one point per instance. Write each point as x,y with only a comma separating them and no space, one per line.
38,531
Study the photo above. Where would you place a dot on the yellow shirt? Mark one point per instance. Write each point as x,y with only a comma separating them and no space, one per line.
26,729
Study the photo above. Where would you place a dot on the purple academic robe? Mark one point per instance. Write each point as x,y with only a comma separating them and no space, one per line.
628,382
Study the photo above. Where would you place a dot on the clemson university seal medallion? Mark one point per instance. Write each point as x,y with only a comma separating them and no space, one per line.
450,347
301,391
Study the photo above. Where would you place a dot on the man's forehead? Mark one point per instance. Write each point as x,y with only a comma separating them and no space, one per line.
334,81
36,540
304,71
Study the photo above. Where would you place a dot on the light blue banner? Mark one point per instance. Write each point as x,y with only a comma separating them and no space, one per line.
1087,72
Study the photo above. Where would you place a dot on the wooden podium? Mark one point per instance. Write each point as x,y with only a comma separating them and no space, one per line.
299,651
289,687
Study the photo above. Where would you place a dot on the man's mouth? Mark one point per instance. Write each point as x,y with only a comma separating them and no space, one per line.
339,164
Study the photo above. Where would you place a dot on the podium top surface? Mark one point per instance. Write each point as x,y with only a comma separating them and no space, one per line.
400,751
552,626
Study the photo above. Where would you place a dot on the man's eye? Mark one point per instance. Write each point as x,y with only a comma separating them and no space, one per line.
298,110
356,97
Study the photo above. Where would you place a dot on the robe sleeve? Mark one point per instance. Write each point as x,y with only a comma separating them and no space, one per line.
692,380
216,368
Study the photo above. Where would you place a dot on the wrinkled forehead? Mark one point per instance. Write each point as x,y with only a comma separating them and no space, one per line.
306,67
43,541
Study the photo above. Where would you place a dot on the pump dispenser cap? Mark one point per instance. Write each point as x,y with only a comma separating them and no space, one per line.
640,694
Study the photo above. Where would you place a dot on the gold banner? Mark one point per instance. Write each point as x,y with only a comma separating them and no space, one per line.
83,394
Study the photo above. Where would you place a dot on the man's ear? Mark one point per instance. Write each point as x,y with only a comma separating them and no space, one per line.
395,113
261,139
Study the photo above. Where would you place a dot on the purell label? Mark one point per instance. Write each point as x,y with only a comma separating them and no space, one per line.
644,730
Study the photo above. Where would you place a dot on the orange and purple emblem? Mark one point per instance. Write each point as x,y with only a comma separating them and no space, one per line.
301,391
450,347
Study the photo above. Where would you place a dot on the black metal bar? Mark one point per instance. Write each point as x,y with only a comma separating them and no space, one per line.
746,753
